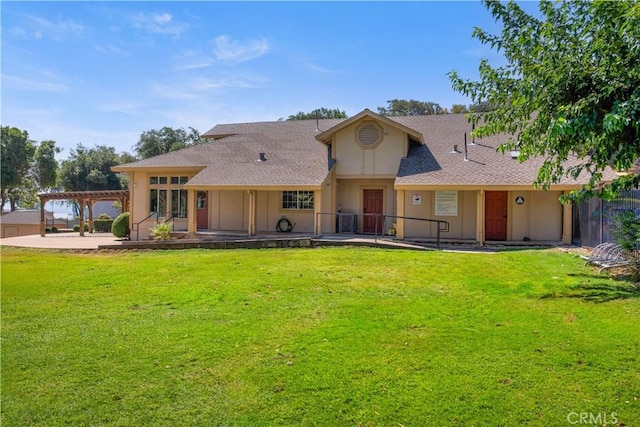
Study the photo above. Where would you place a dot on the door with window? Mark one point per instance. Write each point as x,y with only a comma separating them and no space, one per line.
372,204
495,217
203,211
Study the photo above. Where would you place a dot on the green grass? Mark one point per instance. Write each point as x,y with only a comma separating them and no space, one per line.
342,336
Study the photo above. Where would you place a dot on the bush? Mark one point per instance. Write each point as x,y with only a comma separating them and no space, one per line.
54,229
76,227
162,231
103,223
120,226
47,230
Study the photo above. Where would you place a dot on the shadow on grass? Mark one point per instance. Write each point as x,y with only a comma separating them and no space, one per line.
622,288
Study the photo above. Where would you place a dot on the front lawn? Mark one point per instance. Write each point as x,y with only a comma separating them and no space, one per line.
341,336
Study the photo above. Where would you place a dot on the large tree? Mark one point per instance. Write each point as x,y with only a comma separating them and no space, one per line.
319,113
155,142
16,150
402,107
571,88
44,170
90,169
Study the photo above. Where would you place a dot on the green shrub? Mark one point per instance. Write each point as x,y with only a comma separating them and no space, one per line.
120,226
76,227
162,231
47,230
54,229
103,223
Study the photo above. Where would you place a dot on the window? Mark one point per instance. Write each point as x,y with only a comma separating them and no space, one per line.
297,200
166,197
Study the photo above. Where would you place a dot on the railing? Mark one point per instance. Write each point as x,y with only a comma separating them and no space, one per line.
380,224
164,216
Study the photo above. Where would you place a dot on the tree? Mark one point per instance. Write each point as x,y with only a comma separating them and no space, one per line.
320,113
155,142
401,107
16,154
571,88
44,169
459,108
90,169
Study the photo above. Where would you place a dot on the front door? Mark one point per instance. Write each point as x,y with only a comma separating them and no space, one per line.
203,212
495,215
372,202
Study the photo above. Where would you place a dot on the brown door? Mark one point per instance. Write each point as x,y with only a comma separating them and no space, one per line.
203,212
495,215
372,202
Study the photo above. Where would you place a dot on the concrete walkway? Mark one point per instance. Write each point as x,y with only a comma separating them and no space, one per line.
62,241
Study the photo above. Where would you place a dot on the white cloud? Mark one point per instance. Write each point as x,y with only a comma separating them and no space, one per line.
58,30
33,85
228,50
160,23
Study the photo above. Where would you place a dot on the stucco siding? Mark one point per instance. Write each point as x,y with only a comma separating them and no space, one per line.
381,159
461,226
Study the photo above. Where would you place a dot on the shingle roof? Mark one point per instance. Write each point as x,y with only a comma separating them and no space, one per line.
24,217
296,158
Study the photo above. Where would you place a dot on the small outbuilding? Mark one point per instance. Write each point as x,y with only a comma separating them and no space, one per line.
23,222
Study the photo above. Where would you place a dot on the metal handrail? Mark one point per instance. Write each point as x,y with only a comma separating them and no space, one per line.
442,226
172,216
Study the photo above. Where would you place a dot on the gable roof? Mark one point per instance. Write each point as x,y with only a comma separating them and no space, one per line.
30,216
297,155
326,135
294,157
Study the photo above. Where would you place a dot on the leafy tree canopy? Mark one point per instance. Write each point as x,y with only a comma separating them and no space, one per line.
402,107
571,88
90,169
155,142
320,113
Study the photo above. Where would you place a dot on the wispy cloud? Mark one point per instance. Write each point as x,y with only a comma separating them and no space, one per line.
160,23
33,85
228,50
57,30
110,49
203,63
24,33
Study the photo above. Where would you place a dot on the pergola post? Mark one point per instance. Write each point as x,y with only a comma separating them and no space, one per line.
90,204
82,203
43,225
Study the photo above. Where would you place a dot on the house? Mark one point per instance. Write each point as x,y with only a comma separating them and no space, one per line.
23,222
366,174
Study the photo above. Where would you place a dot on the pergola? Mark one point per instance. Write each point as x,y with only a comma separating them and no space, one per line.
83,198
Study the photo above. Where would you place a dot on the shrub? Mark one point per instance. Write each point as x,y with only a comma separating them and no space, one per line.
47,230
54,229
120,226
162,231
76,227
103,223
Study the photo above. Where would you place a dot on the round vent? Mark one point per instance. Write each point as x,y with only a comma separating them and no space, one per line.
369,134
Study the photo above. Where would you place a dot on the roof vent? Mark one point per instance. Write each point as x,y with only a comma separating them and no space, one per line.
455,149
369,134
262,158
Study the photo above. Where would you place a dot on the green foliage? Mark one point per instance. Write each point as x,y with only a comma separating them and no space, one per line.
155,142
76,227
626,230
103,223
54,229
320,113
571,88
318,337
45,165
16,152
162,231
402,107
120,226
90,169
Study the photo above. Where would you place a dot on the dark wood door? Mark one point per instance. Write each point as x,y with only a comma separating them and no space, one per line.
203,211
372,202
495,215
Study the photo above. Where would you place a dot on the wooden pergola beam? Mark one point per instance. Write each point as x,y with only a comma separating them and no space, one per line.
83,197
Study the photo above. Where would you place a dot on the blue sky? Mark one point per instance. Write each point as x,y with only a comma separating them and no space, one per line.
104,72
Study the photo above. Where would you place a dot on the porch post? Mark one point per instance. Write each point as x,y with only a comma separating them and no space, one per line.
480,218
400,212
83,202
252,213
42,218
567,223
192,218
317,208
90,216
